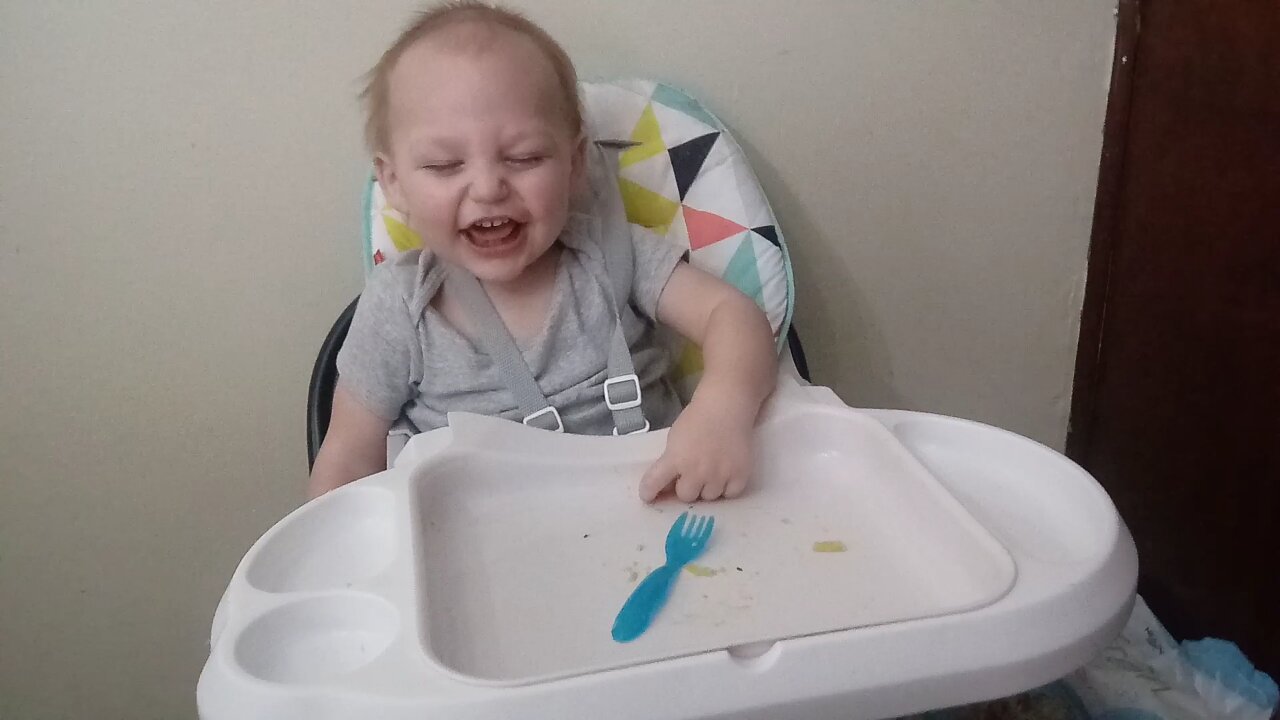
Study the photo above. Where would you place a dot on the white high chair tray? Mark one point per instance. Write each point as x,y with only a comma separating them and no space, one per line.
524,559
480,576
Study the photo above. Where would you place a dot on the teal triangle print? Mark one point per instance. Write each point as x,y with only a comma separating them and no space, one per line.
742,272
677,100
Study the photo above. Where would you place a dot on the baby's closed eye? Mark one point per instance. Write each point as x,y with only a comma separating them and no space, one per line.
442,167
529,160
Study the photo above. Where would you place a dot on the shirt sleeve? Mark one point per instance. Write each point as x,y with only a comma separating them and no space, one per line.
376,360
655,260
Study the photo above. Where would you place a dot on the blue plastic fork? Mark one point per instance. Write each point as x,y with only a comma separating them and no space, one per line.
685,542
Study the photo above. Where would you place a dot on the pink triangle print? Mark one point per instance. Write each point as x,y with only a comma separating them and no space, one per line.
707,228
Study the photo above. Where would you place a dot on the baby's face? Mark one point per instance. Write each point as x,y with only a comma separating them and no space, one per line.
481,157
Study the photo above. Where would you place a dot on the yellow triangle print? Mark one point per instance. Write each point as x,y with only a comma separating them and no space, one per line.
648,134
646,207
401,236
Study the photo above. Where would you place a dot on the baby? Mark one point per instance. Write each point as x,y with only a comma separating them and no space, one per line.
478,140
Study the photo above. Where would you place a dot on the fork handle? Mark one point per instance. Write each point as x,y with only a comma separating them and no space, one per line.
646,600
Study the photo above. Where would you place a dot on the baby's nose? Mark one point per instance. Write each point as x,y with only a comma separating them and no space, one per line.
489,185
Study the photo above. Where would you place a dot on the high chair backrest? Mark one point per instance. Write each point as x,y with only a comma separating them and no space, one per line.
684,181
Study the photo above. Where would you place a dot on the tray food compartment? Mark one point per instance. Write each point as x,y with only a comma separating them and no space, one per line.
344,539
317,639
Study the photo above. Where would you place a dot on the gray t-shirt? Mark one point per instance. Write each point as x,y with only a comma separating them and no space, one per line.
404,361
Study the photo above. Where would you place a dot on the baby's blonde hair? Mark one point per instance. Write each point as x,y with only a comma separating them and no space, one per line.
376,94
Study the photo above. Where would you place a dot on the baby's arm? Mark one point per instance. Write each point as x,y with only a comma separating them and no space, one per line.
354,446
708,450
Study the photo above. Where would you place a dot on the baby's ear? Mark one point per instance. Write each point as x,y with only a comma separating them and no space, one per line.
389,181
578,172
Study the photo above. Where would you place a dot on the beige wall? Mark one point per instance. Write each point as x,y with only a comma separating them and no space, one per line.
179,189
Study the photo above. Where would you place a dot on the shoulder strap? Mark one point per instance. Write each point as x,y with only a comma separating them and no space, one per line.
616,241
622,386
495,339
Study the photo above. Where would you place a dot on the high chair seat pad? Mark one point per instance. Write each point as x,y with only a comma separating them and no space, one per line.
684,181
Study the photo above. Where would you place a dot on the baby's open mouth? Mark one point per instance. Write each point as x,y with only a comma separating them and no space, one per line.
492,232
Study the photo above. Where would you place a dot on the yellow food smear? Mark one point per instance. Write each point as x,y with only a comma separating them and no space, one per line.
701,571
829,546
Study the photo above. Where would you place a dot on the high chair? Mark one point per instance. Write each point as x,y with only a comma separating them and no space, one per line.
883,563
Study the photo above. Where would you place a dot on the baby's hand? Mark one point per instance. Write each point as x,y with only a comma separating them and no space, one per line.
708,455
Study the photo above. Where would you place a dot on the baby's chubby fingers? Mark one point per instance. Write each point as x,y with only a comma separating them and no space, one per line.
689,486
736,485
714,486
660,475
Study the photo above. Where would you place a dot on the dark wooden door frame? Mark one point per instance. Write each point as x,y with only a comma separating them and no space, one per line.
1176,403
1106,217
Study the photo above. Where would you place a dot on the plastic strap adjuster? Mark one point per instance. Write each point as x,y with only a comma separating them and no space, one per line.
644,429
535,419
633,381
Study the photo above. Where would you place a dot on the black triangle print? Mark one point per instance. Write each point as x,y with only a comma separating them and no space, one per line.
687,159
768,232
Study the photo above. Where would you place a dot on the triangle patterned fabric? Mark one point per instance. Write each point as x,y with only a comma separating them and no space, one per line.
687,159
